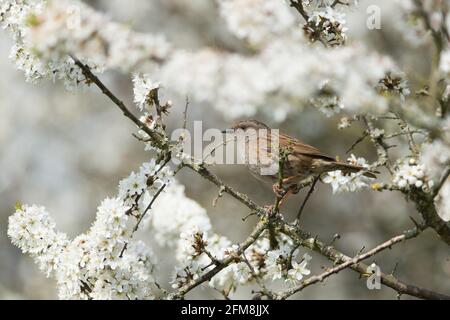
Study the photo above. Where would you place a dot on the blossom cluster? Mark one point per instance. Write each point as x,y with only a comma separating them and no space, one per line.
327,26
394,83
265,80
257,21
45,32
105,262
412,174
91,265
348,182
269,81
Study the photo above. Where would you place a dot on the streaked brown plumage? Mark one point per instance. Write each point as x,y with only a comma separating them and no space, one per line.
302,159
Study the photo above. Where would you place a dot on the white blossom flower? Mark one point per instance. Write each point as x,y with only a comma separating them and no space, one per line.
336,179
133,185
143,86
344,123
298,271
103,263
273,266
351,182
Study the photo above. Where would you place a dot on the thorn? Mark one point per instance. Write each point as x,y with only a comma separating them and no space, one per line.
395,269
219,195
212,263
336,237
249,215
315,240
416,224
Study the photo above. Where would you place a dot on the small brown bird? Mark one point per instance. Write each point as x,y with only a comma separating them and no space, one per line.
299,160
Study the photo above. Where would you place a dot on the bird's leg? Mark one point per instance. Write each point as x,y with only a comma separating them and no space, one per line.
283,193
291,179
280,194
279,191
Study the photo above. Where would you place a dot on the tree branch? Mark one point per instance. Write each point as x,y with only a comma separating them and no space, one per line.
350,262
298,5
313,243
155,136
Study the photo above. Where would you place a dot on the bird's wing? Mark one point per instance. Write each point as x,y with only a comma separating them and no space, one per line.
303,148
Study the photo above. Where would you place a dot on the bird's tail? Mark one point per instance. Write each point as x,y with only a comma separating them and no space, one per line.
349,168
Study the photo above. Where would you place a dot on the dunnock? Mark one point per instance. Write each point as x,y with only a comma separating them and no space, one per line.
298,160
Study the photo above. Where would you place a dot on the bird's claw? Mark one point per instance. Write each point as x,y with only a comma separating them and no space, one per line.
270,209
271,212
280,192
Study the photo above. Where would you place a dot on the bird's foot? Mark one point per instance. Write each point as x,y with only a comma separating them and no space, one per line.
294,189
271,212
280,192
270,209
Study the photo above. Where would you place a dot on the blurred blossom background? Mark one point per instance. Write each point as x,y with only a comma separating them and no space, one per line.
68,150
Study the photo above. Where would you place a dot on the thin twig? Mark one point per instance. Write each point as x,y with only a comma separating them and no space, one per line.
185,113
382,147
136,227
161,189
308,195
359,140
257,277
298,5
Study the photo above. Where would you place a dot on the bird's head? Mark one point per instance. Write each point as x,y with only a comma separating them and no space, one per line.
246,125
